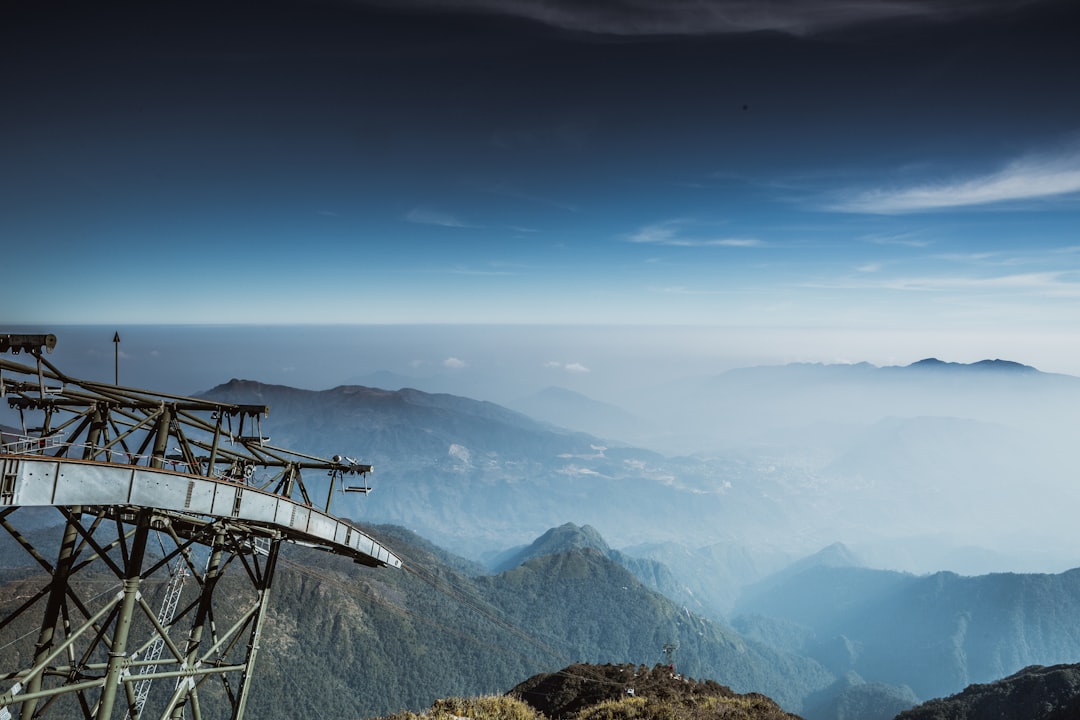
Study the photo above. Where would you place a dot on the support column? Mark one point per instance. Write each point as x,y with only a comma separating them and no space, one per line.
161,438
256,629
94,432
202,615
118,660
57,592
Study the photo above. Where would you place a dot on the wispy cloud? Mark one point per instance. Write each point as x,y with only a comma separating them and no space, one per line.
426,216
1051,283
1048,284
575,368
908,239
973,257
1033,177
708,17
454,363
674,233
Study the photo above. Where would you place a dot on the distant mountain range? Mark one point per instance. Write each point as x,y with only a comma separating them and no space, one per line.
754,404
930,466
933,633
470,475
983,365
566,408
645,417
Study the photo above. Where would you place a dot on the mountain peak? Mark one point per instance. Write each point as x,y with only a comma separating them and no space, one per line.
996,365
836,555
557,540
568,537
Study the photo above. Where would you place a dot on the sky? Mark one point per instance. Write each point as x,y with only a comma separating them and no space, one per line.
842,180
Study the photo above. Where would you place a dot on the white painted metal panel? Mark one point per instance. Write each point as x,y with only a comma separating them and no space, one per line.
36,483
89,484
202,497
283,512
257,506
322,526
159,490
341,532
299,518
365,544
224,499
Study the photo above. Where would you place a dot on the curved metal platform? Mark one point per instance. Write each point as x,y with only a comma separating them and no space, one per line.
43,481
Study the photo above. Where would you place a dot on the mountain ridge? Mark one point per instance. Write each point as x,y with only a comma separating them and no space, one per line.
1036,692
820,463
945,630
568,537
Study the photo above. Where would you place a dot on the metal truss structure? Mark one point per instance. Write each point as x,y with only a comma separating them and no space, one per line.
149,488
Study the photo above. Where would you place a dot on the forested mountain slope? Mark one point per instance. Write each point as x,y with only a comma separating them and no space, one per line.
935,633
343,641
1034,693
830,642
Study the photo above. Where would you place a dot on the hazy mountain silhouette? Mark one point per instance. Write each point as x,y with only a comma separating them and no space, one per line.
982,365
570,409
967,469
755,404
934,633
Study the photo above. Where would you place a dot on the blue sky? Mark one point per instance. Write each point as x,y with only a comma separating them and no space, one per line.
875,180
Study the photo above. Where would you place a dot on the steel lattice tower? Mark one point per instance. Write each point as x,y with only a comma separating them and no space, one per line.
122,466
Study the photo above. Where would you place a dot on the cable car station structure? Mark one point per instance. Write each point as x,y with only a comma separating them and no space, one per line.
158,495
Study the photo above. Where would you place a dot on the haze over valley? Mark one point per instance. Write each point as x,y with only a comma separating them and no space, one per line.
933,465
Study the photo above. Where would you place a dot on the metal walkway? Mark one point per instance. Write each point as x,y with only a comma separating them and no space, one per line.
145,485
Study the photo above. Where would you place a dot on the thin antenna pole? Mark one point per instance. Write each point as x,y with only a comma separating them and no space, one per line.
116,357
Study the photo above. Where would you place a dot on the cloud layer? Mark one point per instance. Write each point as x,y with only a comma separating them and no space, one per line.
673,233
1028,178
708,17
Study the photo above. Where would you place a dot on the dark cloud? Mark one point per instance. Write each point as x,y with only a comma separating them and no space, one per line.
707,17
